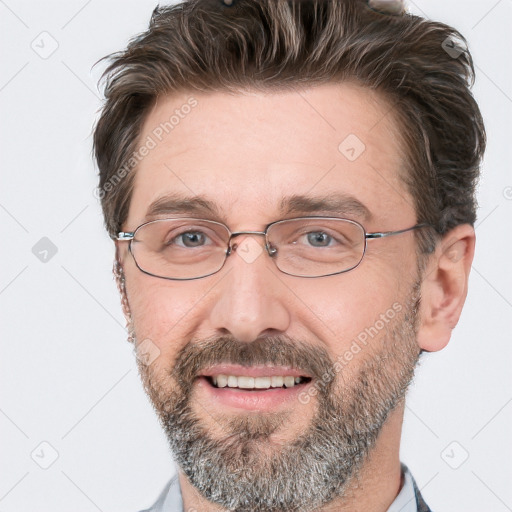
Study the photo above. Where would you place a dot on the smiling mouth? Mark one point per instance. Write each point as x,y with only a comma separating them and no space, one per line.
256,383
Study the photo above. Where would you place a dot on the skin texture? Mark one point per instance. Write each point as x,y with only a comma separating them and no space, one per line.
245,152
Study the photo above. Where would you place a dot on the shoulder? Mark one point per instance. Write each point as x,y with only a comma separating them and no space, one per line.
169,498
420,502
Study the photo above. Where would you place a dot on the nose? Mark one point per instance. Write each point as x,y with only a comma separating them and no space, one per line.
249,301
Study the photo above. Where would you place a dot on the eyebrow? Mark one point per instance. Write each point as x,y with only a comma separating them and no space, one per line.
177,203
337,204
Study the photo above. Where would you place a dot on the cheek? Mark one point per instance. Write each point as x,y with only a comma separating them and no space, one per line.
161,310
342,307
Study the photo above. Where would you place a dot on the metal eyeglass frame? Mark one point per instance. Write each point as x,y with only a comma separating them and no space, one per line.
129,236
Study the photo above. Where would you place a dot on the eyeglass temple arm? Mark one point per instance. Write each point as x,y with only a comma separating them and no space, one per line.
391,233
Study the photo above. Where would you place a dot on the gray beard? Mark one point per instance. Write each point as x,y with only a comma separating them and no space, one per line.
236,470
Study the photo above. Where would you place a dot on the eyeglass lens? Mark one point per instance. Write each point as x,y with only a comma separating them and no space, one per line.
191,248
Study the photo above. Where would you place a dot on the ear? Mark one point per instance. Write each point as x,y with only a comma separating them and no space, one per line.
444,287
119,276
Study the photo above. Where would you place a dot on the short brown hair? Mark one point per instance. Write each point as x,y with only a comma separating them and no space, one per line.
421,67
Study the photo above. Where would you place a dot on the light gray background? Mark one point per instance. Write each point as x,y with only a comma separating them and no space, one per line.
68,376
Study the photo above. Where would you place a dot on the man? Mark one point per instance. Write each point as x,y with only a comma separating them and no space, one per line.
290,188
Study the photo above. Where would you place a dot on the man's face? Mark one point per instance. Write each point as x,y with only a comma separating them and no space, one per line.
246,153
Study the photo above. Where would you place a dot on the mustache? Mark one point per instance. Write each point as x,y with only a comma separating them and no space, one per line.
280,350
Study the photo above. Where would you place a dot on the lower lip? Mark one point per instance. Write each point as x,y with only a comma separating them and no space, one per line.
258,399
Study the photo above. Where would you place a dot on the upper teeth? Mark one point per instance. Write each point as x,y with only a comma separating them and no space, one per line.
245,382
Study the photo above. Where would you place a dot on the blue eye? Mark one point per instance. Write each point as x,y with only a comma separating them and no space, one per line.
192,238
320,238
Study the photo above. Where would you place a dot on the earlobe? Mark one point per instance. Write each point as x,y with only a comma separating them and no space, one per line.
444,287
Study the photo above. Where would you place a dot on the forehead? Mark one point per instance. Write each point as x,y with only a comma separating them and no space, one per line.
250,153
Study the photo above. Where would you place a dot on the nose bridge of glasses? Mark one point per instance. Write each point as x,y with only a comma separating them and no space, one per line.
233,247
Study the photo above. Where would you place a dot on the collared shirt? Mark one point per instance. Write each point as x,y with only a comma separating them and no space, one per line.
409,498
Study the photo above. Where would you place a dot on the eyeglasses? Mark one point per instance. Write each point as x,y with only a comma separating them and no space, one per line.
189,248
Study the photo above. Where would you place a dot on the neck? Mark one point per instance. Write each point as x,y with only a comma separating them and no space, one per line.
373,489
